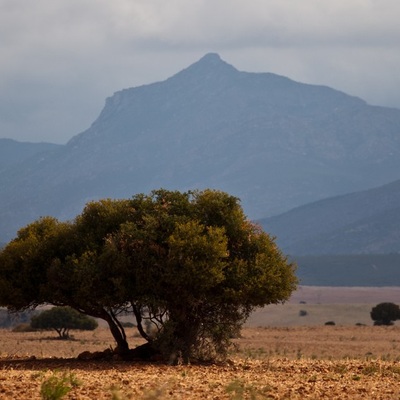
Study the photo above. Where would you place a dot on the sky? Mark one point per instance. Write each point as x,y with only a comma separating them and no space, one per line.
60,59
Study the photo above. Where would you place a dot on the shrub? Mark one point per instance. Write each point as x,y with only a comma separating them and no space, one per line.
62,319
385,313
57,386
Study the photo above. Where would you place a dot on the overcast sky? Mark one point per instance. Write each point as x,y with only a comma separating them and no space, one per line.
60,59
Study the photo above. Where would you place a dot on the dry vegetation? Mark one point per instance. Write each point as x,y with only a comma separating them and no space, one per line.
292,362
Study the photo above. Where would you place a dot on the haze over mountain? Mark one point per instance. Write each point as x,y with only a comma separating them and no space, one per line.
13,152
273,142
357,223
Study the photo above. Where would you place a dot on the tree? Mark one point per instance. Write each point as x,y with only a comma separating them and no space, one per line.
62,320
385,313
190,264
53,262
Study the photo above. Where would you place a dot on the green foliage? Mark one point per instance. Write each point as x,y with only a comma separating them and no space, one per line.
62,319
190,264
385,313
23,263
57,386
238,390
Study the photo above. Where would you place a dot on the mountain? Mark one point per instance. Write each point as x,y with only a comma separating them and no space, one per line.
369,270
273,142
363,222
13,152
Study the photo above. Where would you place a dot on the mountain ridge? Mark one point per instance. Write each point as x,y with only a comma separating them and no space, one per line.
273,142
355,223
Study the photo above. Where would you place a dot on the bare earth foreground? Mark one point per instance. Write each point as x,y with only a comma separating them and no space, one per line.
299,361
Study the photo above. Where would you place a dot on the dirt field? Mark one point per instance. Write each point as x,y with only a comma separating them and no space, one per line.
280,355
328,362
314,306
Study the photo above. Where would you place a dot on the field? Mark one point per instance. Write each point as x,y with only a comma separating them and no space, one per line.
304,359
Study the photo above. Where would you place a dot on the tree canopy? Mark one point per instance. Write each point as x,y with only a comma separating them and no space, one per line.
189,263
62,320
385,313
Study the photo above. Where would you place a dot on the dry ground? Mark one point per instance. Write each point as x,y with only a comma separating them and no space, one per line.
328,362
302,360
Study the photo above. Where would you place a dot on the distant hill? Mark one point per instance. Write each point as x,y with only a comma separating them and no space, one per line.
13,152
273,142
368,270
357,223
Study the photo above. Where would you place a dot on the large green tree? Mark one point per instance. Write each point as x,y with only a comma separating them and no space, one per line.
191,264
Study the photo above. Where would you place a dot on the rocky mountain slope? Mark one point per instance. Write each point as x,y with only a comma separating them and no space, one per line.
273,142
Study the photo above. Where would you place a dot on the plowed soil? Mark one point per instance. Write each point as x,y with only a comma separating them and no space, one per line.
281,354
326,362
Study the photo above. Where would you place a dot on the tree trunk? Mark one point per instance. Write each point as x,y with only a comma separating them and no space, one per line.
118,333
65,333
184,335
138,316
116,328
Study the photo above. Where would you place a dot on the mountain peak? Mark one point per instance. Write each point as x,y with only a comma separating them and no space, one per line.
214,126
211,58
210,64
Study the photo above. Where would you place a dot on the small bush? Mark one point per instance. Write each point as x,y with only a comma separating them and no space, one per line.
330,323
303,313
62,319
57,386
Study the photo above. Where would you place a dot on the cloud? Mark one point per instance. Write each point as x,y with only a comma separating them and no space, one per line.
274,22
60,59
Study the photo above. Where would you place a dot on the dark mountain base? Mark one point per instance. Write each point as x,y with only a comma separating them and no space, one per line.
374,270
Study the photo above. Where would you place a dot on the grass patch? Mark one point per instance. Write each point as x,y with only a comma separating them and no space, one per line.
58,385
